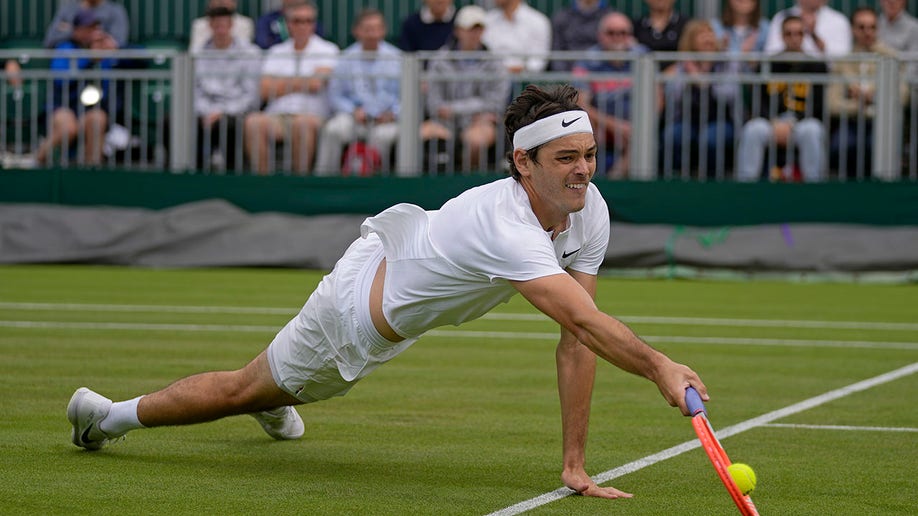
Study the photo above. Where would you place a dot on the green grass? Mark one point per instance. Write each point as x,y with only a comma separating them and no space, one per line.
455,425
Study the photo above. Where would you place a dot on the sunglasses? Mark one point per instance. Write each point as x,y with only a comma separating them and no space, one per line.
617,32
301,20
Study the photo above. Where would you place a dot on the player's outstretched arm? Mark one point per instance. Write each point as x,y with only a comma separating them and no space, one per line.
563,299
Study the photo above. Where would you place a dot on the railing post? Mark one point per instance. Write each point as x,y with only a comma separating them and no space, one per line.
644,120
887,122
181,114
409,118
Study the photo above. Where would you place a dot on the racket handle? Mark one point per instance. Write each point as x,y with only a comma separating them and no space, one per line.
693,401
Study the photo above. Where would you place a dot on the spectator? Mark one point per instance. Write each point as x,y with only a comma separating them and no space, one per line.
828,32
574,28
896,27
80,106
13,72
660,29
853,100
225,88
470,105
293,85
243,26
112,18
788,112
429,28
364,94
519,32
700,100
608,101
741,28
271,27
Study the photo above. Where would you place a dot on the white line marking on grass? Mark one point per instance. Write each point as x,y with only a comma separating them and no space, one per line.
723,433
711,321
844,427
677,339
494,316
87,307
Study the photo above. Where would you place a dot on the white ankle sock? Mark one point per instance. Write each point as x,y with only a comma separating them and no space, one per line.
121,418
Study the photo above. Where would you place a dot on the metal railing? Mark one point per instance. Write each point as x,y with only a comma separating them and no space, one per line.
157,123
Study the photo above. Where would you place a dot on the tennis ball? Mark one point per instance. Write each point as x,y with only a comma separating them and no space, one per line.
743,476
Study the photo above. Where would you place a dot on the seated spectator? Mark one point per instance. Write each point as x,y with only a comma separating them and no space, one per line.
741,28
471,106
608,101
428,28
574,28
80,107
787,117
896,28
243,26
364,92
519,32
852,101
293,85
827,31
700,101
13,72
112,18
660,29
225,88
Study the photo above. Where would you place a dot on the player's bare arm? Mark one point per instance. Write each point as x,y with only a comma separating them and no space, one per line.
563,299
576,371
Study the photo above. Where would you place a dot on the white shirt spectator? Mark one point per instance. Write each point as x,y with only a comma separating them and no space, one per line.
283,61
832,27
526,32
243,30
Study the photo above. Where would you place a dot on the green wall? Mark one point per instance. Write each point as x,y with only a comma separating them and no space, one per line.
663,202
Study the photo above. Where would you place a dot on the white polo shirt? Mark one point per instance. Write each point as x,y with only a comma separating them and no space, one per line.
283,61
454,264
527,32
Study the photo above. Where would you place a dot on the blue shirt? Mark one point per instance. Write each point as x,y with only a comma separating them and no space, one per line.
369,80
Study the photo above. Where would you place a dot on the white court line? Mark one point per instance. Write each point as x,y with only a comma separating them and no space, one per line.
493,316
723,433
677,339
844,427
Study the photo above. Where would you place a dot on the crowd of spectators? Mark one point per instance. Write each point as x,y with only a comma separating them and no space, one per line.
272,94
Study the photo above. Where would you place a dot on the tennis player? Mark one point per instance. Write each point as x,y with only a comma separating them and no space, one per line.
542,232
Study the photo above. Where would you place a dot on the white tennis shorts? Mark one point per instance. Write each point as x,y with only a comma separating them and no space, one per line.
332,343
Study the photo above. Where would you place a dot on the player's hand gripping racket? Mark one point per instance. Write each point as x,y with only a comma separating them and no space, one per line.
715,451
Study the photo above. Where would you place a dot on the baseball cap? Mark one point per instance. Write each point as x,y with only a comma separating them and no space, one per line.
85,18
470,16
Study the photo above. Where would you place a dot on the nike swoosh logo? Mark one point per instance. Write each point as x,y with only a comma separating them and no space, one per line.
85,436
565,255
565,123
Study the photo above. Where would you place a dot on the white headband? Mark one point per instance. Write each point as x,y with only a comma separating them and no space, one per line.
551,128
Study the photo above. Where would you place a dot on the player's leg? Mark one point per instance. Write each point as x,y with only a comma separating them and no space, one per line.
195,399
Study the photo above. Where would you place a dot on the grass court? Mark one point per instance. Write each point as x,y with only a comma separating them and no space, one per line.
467,420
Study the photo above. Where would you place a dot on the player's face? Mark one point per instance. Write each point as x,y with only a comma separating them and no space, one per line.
557,184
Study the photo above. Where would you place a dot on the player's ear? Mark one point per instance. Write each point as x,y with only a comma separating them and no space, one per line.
522,161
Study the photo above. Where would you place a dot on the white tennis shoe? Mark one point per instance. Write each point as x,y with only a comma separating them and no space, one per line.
85,410
282,423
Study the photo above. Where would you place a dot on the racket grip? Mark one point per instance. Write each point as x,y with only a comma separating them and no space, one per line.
693,401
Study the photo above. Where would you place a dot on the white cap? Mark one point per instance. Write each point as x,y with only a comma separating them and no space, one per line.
470,16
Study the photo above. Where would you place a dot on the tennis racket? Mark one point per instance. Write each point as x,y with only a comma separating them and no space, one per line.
716,452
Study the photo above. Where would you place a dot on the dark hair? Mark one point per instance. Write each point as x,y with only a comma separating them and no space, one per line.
217,12
728,15
365,13
535,103
862,9
790,18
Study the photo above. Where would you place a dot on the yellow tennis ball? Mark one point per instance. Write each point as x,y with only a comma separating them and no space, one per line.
743,476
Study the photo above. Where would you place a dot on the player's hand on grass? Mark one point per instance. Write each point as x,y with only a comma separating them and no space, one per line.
579,481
